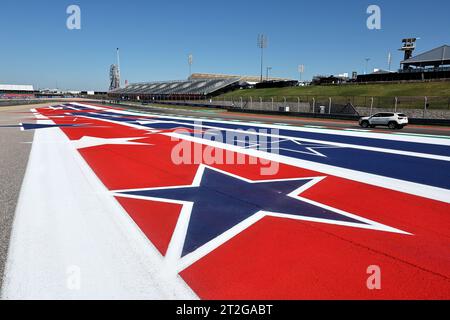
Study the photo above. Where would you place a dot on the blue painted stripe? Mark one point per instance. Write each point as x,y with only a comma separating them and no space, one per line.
419,170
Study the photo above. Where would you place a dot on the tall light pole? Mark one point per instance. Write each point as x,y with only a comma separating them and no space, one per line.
389,61
268,69
262,44
301,70
190,62
367,65
118,65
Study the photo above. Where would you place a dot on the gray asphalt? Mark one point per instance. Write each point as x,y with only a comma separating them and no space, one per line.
14,153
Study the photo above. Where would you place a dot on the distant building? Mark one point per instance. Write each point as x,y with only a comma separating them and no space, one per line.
14,88
381,71
430,65
436,59
320,79
276,84
114,77
14,91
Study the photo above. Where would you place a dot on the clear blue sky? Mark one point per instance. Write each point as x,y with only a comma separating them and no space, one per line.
155,37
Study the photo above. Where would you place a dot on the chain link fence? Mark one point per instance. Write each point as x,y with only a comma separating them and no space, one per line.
434,107
413,107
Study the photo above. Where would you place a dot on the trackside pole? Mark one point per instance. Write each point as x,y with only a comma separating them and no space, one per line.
371,106
314,105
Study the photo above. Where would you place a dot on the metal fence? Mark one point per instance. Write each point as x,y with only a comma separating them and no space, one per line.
416,107
413,106
364,101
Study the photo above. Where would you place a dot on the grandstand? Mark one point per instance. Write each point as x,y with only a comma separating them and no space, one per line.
428,66
175,90
12,91
249,79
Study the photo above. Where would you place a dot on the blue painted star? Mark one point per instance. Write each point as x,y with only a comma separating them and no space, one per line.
221,201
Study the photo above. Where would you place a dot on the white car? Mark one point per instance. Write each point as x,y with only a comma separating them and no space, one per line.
391,120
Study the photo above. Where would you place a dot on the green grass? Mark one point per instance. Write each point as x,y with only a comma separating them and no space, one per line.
189,108
431,89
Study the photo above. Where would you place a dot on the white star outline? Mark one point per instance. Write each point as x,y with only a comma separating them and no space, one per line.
177,263
89,141
312,147
54,108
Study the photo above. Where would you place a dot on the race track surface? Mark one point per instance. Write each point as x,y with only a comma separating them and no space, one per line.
124,204
14,150
286,120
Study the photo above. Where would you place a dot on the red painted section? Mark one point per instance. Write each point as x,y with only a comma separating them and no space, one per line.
319,261
281,258
157,220
427,220
284,259
132,167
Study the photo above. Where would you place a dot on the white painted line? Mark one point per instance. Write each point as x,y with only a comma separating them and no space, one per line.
314,127
422,135
323,130
336,144
358,130
420,190
67,225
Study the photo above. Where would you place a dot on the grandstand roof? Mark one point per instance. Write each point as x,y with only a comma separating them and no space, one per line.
186,87
440,56
195,76
14,87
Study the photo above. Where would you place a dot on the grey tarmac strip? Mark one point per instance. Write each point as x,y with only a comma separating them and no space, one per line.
15,149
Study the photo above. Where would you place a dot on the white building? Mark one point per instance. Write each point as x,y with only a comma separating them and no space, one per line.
16,88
